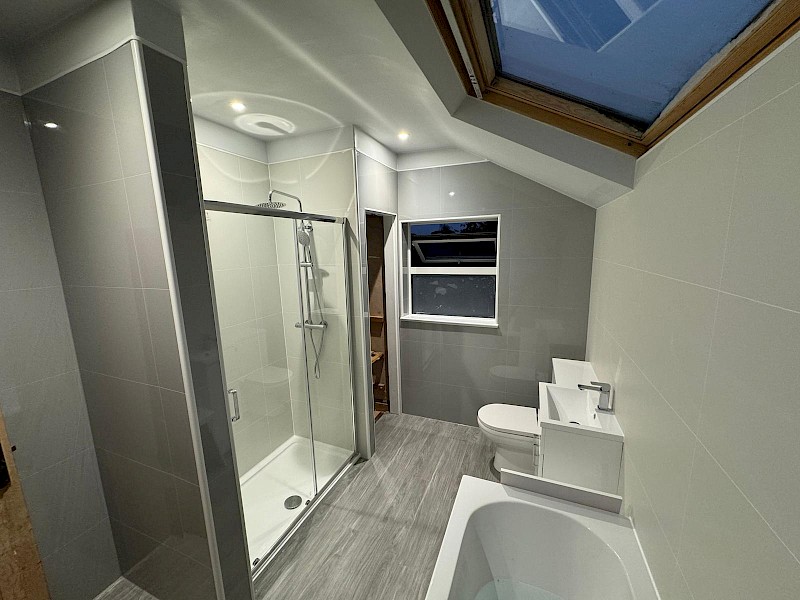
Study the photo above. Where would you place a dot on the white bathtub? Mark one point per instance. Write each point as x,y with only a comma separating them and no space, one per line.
503,543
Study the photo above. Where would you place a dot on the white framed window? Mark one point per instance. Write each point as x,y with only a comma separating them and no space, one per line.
451,270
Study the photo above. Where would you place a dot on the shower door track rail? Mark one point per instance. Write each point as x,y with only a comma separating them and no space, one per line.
246,209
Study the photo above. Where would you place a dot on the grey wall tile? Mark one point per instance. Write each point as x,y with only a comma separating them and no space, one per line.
557,332
140,496
164,337
755,352
93,235
25,242
36,341
550,232
18,171
127,419
723,561
64,501
562,282
763,247
476,188
146,231
84,567
126,110
423,398
46,421
111,332
179,434
474,367
421,361
192,539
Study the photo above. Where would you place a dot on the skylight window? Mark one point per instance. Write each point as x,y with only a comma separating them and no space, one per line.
627,58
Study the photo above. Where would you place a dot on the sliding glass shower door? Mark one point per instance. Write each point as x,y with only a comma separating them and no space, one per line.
280,284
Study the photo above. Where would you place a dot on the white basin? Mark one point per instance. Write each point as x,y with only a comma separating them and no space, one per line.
574,409
506,543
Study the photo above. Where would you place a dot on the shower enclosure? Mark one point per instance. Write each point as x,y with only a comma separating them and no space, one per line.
280,284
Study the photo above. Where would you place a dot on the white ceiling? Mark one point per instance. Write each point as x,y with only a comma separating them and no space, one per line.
313,63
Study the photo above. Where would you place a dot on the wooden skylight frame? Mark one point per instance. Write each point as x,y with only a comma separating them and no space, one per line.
774,26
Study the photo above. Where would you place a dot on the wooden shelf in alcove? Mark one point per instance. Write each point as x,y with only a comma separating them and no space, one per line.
377,318
375,357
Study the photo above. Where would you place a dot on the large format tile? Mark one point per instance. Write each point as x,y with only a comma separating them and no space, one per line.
46,421
687,208
93,235
84,567
652,432
779,72
36,336
147,231
750,414
29,260
165,339
240,351
477,188
141,497
18,171
421,361
227,240
235,296
418,193
126,110
328,183
179,435
266,288
557,332
551,232
127,419
763,245
60,165
727,550
254,177
64,501
474,367
674,341
562,282
111,332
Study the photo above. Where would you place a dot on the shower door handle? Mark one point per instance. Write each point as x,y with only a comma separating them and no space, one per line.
235,395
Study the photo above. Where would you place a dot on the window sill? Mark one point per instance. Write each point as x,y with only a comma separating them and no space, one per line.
447,320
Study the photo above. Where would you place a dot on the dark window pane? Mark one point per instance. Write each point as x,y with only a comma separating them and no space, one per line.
454,295
454,244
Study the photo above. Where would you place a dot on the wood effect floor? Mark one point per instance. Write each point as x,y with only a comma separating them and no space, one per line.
377,534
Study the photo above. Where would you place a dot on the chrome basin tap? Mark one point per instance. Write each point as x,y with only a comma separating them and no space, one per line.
605,393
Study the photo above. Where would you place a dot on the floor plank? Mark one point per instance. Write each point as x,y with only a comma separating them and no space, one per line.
377,534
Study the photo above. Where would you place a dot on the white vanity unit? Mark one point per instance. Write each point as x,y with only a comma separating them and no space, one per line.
579,444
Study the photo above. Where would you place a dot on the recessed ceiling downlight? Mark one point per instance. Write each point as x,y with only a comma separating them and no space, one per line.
51,125
237,106
266,125
403,136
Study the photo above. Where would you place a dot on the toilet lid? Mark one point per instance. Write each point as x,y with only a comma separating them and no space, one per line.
508,418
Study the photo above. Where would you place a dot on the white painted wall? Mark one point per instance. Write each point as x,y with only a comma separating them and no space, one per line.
695,319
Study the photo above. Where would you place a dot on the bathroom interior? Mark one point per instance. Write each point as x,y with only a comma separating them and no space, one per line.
435,299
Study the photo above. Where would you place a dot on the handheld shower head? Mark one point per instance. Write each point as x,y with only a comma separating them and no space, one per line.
303,236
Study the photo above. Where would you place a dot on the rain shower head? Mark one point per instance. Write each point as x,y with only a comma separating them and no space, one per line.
272,204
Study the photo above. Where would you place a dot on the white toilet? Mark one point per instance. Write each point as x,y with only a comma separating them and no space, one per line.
515,432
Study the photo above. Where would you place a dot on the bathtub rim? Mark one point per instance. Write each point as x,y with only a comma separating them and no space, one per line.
616,531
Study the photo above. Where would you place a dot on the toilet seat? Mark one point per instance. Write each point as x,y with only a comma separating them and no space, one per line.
510,419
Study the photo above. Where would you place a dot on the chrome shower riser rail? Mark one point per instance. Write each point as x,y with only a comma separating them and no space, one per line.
246,209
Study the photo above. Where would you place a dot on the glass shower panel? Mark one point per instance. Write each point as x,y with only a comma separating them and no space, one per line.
323,278
256,288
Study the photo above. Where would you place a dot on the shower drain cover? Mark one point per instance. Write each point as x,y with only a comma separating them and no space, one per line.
292,502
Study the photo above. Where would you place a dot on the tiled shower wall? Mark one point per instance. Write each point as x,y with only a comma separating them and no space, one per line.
100,199
41,396
546,238
695,318
245,264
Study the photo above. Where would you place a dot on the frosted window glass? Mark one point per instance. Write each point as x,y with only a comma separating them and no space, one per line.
454,295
